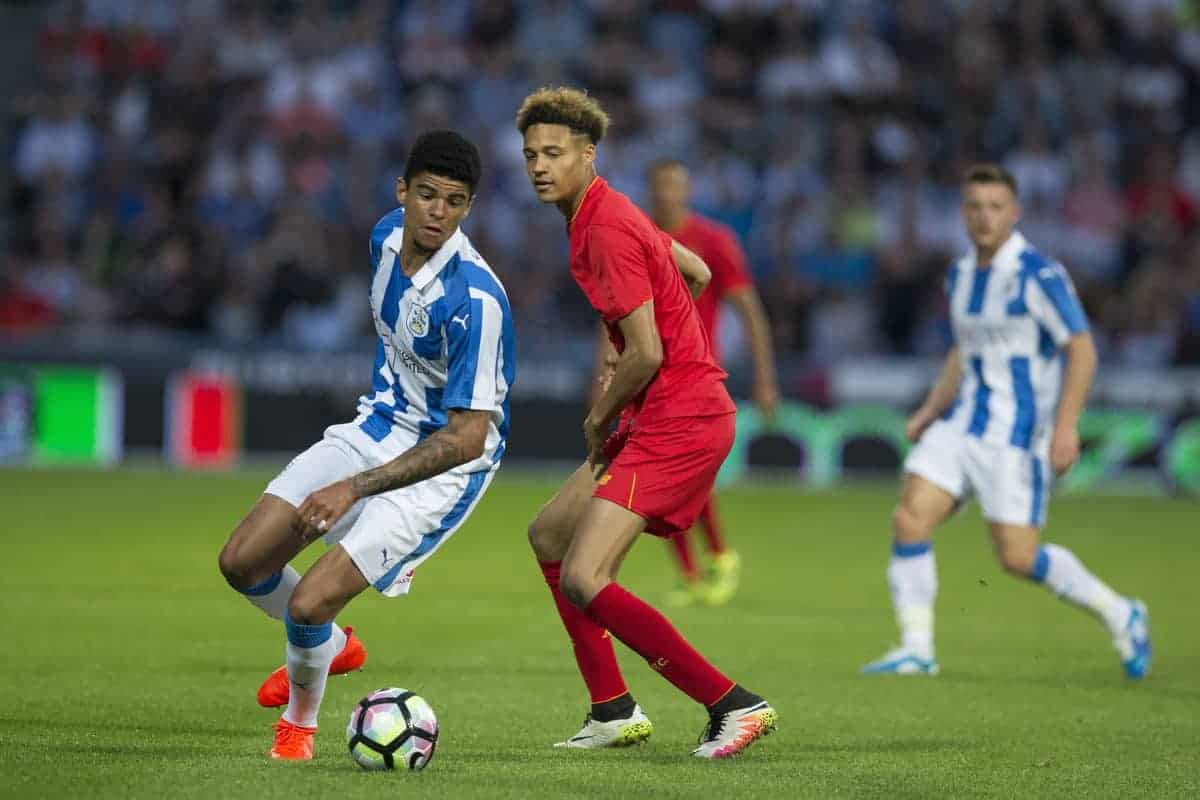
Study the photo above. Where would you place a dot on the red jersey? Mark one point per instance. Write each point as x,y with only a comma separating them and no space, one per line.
621,260
718,246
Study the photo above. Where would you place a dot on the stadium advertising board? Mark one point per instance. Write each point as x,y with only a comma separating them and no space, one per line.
1141,430
853,440
61,414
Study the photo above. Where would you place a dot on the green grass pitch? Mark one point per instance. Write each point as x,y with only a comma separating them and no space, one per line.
130,668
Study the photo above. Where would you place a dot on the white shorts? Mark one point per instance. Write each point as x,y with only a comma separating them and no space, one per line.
1012,484
389,535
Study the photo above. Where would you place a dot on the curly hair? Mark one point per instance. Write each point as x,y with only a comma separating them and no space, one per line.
562,105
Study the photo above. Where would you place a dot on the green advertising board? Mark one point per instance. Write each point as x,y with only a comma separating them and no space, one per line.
1114,442
77,415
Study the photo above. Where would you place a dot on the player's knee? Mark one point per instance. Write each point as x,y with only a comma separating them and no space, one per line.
535,534
232,567
306,608
1017,561
544,538
579,585
908,525
240,571
576,590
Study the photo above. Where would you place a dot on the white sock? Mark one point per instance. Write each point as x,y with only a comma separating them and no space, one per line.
1067,577
272,595
310,650
338,636
912,577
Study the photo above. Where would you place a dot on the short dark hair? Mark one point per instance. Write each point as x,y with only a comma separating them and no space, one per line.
445,153
987,172
562,105
659,164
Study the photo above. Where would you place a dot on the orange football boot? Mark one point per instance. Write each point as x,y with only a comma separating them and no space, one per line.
274,691
292,742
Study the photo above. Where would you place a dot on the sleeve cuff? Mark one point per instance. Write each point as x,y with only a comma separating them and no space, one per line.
619,313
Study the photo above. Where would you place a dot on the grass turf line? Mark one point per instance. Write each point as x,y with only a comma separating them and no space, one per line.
131,667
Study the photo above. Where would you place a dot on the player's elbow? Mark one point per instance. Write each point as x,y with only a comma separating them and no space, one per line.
701,275
467,433
472,446
650,358
695,271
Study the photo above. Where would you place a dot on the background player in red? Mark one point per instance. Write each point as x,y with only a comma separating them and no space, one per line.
717,245
656,472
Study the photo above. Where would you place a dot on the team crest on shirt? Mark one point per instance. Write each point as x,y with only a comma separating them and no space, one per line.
418,321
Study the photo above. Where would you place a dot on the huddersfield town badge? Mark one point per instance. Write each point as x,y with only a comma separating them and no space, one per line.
418,321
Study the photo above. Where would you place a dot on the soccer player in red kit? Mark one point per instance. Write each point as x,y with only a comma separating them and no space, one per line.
656,471
717,245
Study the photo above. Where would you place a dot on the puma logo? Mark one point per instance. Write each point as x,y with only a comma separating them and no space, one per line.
461,320
386,559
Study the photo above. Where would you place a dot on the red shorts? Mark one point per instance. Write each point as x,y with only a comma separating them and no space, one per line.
665,472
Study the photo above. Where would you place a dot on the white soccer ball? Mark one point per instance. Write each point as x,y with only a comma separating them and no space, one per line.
390,728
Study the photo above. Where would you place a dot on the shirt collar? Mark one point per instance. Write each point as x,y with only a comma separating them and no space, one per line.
1006,255
591,196
433,267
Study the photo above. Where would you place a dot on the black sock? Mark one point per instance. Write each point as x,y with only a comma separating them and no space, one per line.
737,697
617,708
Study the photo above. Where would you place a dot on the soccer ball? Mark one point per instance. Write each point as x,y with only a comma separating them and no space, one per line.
392,727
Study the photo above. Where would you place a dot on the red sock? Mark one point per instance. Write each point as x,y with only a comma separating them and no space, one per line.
650,635
682,548
592,643
712,527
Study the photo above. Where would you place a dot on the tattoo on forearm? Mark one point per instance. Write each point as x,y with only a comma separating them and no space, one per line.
431,457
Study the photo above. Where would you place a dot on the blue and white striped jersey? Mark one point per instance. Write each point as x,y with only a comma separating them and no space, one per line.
445,341
1010,321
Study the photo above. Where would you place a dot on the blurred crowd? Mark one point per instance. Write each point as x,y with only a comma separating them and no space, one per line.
214,166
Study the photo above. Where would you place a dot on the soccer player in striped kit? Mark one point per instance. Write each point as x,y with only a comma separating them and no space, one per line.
1001,422
388,489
